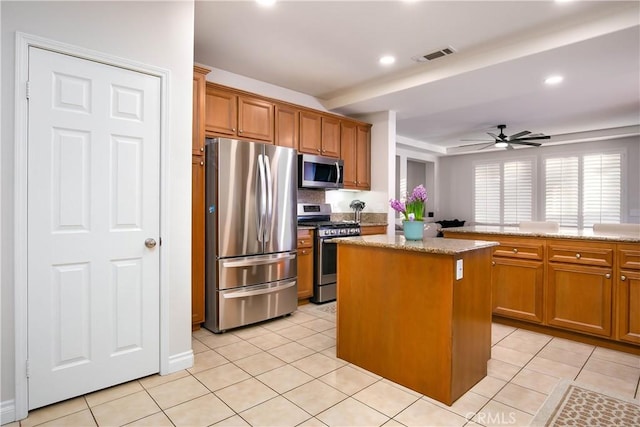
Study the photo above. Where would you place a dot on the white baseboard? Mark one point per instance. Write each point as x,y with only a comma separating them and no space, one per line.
178,362
7,411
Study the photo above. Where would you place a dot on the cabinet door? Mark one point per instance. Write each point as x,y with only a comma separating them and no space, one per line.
579,298
628,307
305,273
221,112
363,158
348,153
286,131
255,119
330,145
517,288
199,92
310,131
367,230
197,239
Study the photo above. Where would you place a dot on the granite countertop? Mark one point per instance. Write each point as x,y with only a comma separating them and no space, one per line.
562,233
430,245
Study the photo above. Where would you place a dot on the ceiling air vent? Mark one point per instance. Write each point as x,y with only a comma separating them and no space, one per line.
434,55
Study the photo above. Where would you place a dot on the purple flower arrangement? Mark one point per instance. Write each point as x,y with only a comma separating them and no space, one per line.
413,208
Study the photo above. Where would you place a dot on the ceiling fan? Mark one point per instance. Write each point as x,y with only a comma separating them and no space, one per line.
503,141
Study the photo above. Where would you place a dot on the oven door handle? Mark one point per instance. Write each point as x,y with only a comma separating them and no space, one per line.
261,291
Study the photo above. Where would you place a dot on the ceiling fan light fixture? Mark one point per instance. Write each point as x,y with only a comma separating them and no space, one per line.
266,3
502,144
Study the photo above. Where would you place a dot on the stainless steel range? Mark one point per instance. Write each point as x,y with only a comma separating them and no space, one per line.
325,251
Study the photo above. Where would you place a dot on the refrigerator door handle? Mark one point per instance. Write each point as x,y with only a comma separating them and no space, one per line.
269,210
259,261
267,290
262,198
337,173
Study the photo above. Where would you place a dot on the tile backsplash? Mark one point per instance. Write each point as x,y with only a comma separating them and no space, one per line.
310,196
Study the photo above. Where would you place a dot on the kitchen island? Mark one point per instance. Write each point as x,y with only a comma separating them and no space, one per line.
416,312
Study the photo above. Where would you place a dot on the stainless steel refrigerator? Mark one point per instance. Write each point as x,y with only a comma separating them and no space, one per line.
251,197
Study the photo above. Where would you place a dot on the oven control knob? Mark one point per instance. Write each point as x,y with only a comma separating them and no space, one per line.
333,232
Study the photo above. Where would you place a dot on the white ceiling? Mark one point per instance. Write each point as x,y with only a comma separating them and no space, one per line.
504,50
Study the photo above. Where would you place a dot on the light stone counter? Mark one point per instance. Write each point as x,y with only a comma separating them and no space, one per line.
562,233
430,245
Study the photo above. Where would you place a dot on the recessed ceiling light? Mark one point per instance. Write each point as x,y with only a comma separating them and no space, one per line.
553,80
387,60
266,2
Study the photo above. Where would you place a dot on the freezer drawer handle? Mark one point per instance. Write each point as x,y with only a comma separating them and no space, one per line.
259,291
254,262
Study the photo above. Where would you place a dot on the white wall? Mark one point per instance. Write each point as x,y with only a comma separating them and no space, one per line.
155,33
455,174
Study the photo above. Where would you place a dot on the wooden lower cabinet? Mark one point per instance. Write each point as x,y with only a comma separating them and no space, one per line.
628,306
517,288
197,240
579,298
305,264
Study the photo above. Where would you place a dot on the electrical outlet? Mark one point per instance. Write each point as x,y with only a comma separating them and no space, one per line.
459,269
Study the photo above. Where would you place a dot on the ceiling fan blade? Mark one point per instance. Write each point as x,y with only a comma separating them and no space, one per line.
518,135
533,144
494,136
477,140
487,146
509,147
533,138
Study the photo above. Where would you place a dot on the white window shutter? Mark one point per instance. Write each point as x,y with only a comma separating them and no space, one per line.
517,191
561,190
601,191
487,193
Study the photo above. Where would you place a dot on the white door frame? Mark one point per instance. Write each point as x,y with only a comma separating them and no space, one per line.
23,43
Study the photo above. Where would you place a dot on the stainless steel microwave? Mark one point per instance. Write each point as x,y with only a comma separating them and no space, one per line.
319,171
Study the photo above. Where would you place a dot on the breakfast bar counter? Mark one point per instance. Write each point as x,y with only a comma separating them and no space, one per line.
416,312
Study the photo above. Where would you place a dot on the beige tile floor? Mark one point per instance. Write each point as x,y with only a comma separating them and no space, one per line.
285,373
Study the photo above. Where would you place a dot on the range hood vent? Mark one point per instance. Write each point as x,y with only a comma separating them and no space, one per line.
434,55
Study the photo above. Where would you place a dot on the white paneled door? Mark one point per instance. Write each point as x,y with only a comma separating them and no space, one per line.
93,217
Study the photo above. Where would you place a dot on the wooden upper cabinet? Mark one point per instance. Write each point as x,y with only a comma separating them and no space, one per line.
255,119
363,157
330,145
286,126
236,115
310,133
199,91
221,112
355,151
348,153
319,134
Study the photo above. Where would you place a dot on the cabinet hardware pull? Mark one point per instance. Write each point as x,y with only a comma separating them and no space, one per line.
233,129
607,276
240,131
493,263
515,250
623,277
201,148
578,256
201,163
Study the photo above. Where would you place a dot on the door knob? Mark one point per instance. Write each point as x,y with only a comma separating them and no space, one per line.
150,243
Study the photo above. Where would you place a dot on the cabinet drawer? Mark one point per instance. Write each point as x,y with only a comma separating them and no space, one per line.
585,255
629,257
520,250
305,238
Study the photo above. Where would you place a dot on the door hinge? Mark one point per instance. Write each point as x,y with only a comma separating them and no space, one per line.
160,239
27,368
28,87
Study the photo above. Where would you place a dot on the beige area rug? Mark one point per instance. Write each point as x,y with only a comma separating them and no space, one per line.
329,307
572,404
